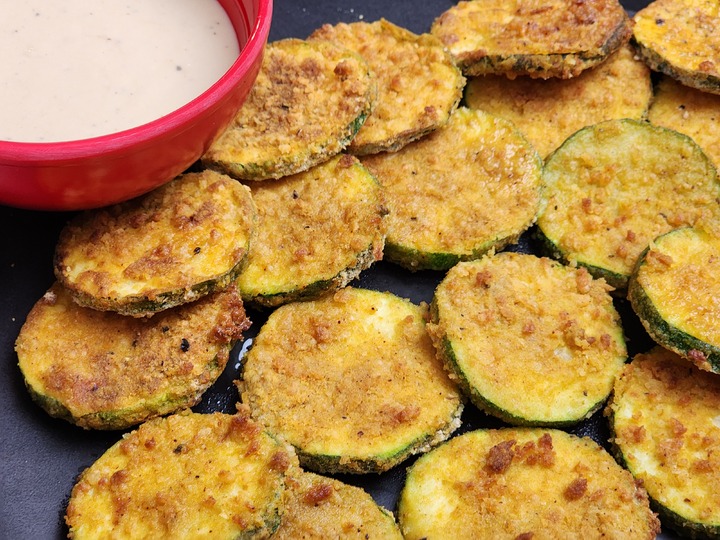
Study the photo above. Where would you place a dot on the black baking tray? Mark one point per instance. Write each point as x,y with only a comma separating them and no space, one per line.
41,457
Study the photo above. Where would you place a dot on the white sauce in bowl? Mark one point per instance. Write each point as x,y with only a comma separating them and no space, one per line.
74,69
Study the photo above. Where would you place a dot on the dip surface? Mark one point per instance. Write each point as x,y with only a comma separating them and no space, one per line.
73,69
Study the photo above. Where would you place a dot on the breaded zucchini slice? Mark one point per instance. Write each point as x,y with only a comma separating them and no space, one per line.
549,111
529,340
174,245
665,430
522,483
418,83
674,290
317,230
351,381
469,187
101,370
681,38
320,508
614,186
307,104
689,111
188,476
537,38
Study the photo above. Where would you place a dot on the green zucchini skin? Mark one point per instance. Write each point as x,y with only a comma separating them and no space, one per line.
702,353
661,419
549,248
333,464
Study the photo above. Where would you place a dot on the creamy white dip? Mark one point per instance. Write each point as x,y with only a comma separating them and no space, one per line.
73,69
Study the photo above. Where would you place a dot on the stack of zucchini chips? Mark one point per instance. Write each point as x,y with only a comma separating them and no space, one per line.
590,134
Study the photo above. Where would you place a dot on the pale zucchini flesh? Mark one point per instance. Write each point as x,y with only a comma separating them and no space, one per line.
188,475
614,186
322,507
418,84
529,340
317,231
664,427
673,290
469,187
519,483
307,104
548,111
351,381
101,370
687,110
174,245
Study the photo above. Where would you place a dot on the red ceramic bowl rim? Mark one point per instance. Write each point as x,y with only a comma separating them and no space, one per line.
32,152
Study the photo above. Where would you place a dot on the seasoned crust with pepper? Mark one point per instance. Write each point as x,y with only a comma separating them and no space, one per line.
351,381
530,341
469,187
523,483
548,111
681,38
319,508
536,38
692,112
665,430
102,370
418,84
174,245
307,104
187,475
317,230
614,186
674,289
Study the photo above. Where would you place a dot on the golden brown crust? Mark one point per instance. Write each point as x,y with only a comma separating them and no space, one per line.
174,245
613,187
532,341
523,483
537,38
470,186
184,476
317,230
548,111
351,380
664,416
102,370
418,84
319,508
308,102
692,112
681,38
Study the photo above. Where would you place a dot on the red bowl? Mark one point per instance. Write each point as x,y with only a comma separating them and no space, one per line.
95,172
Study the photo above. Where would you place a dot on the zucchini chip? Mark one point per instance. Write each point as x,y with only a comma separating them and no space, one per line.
549,111
351,381
418,84
681,38
665,427
307,104
184,476
614,186
320,508
101,370
174,245
689,111
317,230
529,340
471,186
540,39
674,291
522,483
